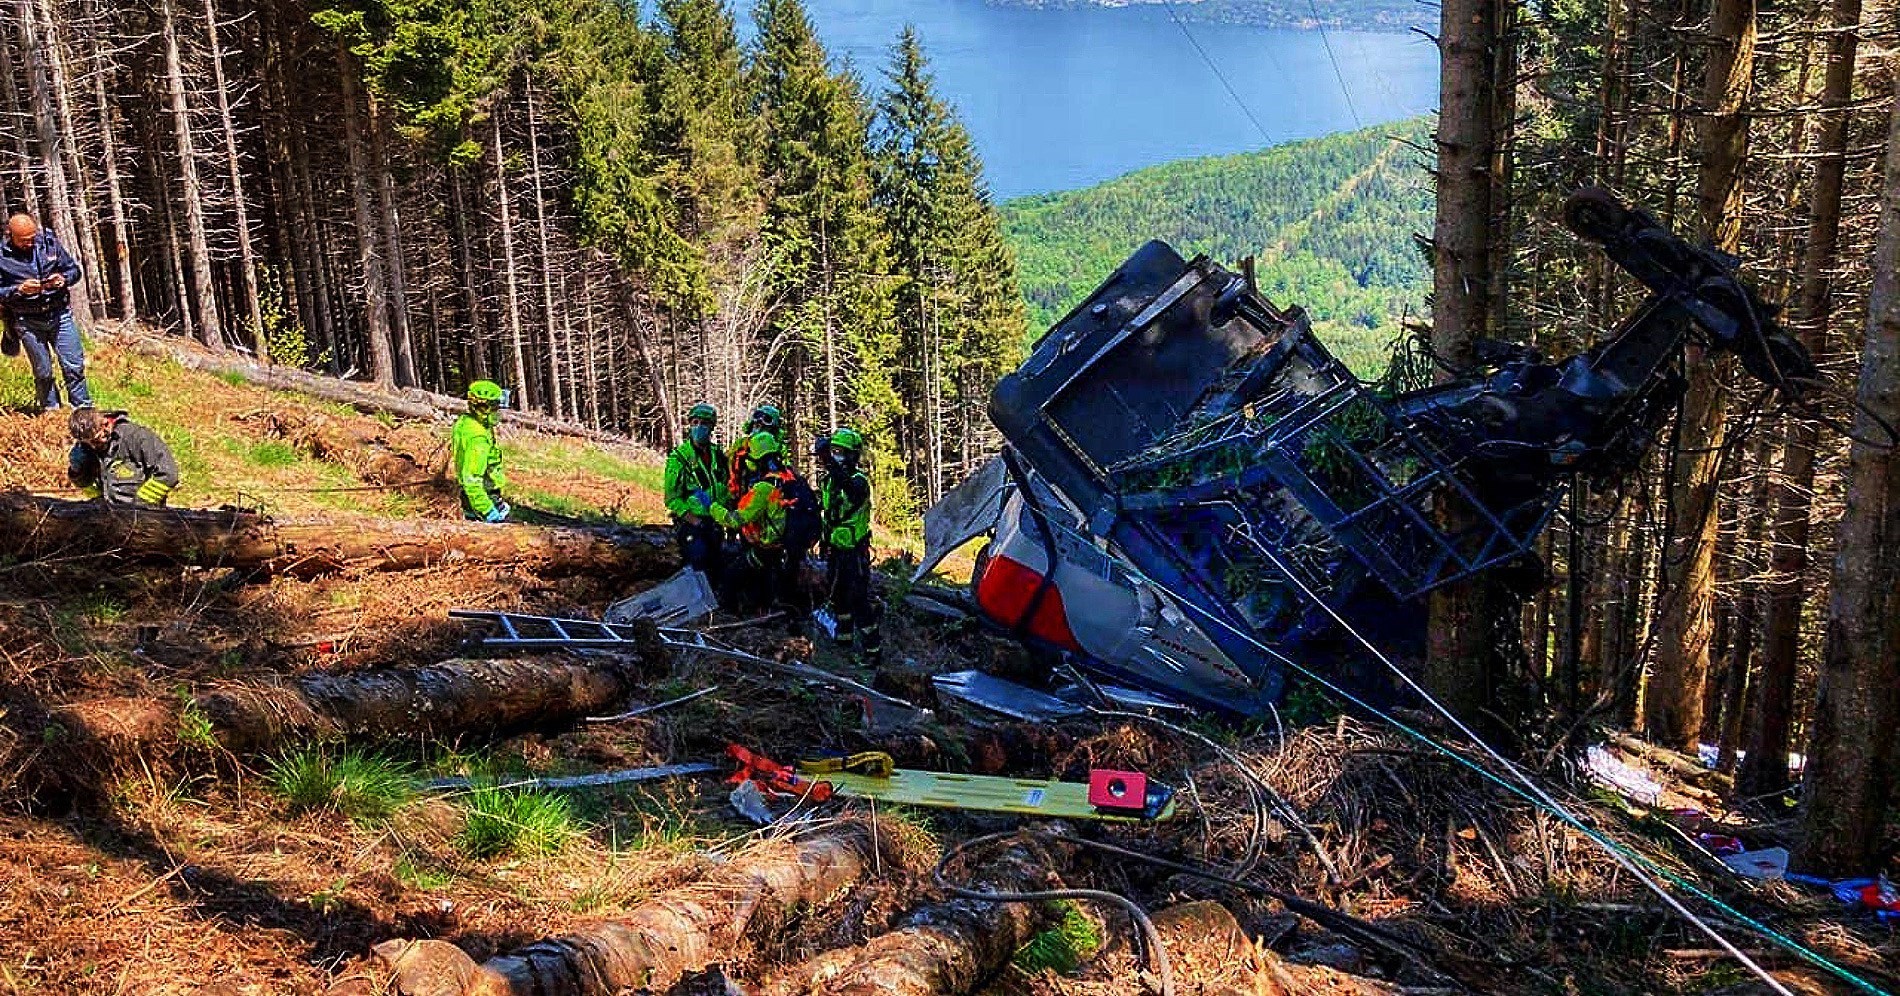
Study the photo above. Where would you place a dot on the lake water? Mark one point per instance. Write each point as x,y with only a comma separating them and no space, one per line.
1059,99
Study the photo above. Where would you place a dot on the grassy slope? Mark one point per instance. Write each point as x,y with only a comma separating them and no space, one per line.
1330,219
227,454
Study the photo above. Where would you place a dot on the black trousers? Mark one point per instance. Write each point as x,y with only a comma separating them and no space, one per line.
702,548
848,588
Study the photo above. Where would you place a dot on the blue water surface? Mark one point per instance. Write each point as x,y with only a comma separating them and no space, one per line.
1060,99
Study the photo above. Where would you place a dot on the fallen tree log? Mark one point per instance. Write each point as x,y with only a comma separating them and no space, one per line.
449,698
650,948
408,403
364,451
949,947
32,527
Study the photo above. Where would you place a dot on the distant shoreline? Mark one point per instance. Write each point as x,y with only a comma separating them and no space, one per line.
1296,15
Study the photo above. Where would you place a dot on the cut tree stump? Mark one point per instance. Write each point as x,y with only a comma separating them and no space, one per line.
453,697
32,527
680,931
946,948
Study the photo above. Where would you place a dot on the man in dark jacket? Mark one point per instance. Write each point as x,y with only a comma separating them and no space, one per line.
118,461
36,279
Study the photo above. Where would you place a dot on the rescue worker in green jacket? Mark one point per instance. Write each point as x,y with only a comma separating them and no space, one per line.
476,456
759,517
844,497
765,418
696,493
119,461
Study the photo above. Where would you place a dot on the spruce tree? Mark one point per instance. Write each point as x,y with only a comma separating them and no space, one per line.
958,307
832,347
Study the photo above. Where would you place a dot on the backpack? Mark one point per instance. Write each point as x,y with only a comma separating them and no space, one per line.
804,520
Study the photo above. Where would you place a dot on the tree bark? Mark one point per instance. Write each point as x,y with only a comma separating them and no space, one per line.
515,343
1765,768
382,359
449,699
364,451
57,207
203,291
247,256
679,931
49,528
121,249
949,947
559,367
1849,774
1673,707
1459,665
389,221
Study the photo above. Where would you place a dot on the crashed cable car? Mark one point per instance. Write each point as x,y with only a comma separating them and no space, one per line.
1193,492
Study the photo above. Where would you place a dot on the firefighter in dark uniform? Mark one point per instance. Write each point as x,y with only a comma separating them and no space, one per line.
844,495
118,461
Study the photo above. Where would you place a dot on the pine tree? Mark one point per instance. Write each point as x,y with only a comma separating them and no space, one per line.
958,307
831,350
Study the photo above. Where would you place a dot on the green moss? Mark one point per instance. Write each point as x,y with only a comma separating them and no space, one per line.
1064,947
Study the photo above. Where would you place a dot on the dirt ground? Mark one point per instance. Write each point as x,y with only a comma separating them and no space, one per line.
142,857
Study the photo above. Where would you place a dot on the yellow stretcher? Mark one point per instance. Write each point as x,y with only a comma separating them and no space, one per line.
872,776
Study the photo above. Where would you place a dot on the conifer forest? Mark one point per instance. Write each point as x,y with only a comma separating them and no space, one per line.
310,713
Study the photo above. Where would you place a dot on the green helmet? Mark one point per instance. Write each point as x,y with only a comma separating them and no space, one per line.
485,391
847,439
767,417
703,410
762,445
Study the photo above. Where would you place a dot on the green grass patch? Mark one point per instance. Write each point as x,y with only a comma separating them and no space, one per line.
272,453
231,377
523,824
368,788
422,874
194,727
1064,947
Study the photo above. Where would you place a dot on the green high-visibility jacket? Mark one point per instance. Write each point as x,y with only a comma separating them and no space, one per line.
760,515
689,472
476,458
846,506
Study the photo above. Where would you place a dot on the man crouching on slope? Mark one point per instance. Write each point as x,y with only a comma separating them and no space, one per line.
475,457
119,461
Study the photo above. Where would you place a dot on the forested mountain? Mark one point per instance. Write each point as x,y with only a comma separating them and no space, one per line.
1331,221
612,217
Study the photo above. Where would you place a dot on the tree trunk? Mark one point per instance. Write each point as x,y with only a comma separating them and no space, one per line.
519,354
679,931
1674,705
382,360
559,367
34,527
9,104
363,451
247,256
946,948
57,207
442,701
1765,769
389,221
1459,665
84,219
1849,774
204,295
121,248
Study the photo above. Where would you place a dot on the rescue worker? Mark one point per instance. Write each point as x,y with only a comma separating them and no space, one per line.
118,461
844,495
765,418
476,456
696,492
759,517
37,275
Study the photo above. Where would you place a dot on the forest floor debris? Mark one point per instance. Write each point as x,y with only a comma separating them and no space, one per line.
148,857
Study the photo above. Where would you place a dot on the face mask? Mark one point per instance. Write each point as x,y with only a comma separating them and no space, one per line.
699,434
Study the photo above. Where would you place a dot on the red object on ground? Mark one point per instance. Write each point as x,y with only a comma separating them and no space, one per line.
1005,593
773,777
1121,791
